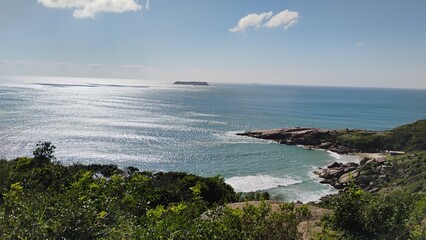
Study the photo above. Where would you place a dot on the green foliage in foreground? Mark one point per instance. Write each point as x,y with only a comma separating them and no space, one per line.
361,215
250,222
41,199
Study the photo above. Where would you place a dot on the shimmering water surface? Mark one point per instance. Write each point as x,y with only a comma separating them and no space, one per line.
183,128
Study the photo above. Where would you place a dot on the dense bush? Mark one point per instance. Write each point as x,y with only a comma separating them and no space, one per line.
41,199
417,220
361,215
183,221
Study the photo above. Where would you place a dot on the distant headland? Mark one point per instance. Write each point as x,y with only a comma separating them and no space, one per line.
193,83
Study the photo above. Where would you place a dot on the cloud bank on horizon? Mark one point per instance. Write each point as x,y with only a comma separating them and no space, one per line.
89,8
284,19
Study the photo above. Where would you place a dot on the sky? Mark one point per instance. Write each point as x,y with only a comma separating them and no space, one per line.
361,43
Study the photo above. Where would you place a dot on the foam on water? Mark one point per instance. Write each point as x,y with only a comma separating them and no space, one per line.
231,137
259,182
334,155
343,158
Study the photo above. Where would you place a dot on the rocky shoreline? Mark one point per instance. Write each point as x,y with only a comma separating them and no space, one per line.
311,138
368,174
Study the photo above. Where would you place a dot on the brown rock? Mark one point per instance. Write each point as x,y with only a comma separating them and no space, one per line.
350,164
335,173
327,181
350,169
325,145
364,161
334,165
347,177
380,160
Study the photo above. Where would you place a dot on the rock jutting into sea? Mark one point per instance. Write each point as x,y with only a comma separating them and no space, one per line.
365,174
310,138
372,173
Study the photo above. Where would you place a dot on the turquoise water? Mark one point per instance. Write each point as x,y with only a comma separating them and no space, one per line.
180,128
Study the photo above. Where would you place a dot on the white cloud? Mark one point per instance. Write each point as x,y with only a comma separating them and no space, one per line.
360,44
147,5
285,18
88,8
252,20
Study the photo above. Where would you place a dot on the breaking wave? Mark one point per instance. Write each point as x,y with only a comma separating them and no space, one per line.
259,182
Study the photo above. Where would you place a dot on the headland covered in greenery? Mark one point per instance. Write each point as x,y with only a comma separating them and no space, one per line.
43,199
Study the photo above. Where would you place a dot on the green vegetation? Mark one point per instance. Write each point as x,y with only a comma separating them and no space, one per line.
42,199
398,209
405,173
250,222
408,137
254,196
408,173
362,215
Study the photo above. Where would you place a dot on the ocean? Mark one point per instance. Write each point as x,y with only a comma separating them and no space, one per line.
166,127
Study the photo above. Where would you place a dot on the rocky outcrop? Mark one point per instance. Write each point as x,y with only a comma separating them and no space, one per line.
339,141
309,137
369,174
405,170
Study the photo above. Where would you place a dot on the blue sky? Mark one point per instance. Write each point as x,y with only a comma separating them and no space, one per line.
364,43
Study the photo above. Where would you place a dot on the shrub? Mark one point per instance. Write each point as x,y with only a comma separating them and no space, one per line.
359,214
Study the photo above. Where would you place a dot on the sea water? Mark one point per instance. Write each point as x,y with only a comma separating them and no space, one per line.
166,127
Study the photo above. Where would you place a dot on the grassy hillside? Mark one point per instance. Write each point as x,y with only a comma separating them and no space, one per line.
408,137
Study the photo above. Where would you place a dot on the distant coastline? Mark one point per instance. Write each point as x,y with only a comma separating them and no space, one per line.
192,83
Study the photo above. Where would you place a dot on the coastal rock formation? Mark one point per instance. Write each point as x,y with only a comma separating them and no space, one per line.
368,174
397,141
373,174
308,137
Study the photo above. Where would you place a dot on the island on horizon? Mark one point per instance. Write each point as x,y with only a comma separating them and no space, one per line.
193,83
